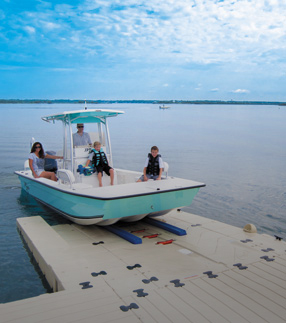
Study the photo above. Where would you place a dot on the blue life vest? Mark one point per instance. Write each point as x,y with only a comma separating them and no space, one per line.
99,158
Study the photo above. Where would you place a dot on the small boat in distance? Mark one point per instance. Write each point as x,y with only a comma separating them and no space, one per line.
164,107
77,195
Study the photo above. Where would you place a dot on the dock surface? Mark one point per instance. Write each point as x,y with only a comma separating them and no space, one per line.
214,273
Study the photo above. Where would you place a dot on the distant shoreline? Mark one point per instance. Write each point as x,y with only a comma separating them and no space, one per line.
64,101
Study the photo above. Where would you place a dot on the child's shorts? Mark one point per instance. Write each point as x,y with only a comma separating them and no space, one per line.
105,168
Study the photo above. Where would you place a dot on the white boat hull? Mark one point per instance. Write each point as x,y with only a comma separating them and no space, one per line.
87,205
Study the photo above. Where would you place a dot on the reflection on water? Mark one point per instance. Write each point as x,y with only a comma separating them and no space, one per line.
32,207
238,151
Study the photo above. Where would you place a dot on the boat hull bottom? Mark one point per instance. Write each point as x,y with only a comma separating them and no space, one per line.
102,222
138,217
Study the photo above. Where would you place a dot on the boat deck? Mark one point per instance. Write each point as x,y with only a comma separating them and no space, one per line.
215,273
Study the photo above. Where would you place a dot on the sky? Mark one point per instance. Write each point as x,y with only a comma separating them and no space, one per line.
143,49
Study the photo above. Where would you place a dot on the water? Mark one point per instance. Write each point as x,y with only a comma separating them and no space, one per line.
238,151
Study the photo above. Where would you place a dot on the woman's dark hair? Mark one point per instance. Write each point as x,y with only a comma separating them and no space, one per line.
41,152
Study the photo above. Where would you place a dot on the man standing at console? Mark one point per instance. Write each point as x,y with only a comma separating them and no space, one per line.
81,138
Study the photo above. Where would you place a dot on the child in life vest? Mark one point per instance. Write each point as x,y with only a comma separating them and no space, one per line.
99,161
153,166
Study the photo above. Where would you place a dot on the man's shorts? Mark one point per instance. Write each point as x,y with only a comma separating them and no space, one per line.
149,177
105,168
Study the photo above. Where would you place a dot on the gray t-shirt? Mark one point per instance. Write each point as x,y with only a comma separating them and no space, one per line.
38,163
83,140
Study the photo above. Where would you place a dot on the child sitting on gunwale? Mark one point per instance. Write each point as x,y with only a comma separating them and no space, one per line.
99,161
153,166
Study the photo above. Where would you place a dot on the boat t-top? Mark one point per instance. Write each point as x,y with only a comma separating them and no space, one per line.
77,195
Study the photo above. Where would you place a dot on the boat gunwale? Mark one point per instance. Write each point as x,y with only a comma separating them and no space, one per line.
110,198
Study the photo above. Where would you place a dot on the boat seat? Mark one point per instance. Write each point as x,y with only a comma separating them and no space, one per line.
65,177
165,169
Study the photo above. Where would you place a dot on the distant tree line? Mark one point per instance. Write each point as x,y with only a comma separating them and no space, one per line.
80,101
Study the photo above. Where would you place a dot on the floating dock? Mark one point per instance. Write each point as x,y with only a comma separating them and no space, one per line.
213,273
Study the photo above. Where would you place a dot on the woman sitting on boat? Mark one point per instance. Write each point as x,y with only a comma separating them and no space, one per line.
37,162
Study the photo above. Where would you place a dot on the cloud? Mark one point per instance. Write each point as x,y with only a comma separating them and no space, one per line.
50,25
180,43
29,29
58,69
208,32
240,91
10,68
2,15
205,32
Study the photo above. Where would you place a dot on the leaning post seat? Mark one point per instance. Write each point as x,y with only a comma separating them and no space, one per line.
166,168
66,177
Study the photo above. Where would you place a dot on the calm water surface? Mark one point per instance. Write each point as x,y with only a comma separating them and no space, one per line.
238,151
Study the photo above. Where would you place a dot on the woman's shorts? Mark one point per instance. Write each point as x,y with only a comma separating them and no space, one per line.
39,171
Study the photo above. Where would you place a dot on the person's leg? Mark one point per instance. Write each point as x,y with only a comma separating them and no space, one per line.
142,179
49,175
99,176
111,172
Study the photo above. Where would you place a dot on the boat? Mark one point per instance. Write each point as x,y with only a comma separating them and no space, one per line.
164,106
77,195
